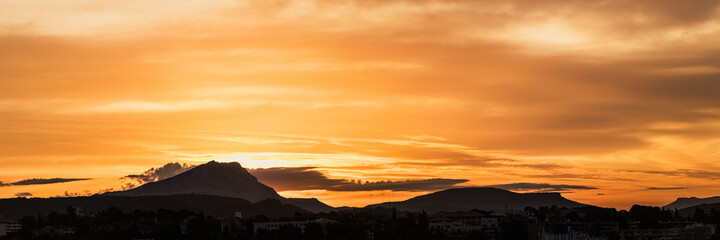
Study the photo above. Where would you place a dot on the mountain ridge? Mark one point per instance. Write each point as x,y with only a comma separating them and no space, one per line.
482,198
219,179
218,206
687,202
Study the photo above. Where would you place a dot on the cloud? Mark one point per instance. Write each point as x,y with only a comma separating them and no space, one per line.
545,187
23,194
39,181
155,174
406,185
702,174
306,178
665,188
298,178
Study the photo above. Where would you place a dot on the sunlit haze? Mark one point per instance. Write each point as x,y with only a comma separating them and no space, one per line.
612,103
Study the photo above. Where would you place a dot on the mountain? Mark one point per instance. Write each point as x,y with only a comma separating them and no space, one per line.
212,178
491,199
707,208
681,203
219,179
310,204
15,208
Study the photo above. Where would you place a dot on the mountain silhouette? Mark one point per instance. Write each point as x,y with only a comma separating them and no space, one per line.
219,179
485,198
15,208
682,203
707,208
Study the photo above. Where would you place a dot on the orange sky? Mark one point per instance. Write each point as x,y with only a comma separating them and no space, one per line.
622,97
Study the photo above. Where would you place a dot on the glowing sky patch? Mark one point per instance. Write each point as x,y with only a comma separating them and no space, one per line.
621,97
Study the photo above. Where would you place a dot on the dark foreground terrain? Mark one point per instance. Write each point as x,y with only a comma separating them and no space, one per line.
586,222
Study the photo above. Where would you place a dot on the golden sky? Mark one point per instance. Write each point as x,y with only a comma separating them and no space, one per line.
620,99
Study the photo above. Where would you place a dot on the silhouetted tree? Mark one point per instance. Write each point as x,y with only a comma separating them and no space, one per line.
423,222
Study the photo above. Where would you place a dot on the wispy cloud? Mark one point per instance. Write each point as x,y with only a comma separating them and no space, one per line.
522,186
433,184
692,173
155,174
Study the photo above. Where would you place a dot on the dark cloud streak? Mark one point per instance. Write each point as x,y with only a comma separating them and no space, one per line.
306,178
40,181
298,178
665,188
23,194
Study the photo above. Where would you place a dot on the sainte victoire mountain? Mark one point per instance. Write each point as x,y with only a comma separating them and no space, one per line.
220,179
212,178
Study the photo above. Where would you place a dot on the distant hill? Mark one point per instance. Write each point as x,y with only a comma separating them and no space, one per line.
681,203
490,199
707,208
310,204
15,208
219,179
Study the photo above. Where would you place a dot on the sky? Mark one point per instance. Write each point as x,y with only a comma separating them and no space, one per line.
612,103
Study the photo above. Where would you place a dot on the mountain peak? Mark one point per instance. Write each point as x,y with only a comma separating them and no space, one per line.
225,179
214,163
228,179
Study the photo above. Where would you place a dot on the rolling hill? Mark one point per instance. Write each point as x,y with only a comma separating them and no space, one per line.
484,198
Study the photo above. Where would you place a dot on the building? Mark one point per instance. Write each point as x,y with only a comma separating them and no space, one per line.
273,226
573,230
8,226
462,223
689,232
232,226
489,222
570,235
697,231
450,226
54,231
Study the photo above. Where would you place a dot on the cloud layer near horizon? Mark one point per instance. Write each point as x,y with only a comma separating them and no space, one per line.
617,95
301,178
541,187
41,181
307,178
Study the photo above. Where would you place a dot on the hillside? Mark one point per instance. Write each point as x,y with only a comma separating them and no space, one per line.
15,208
490,199
681,203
